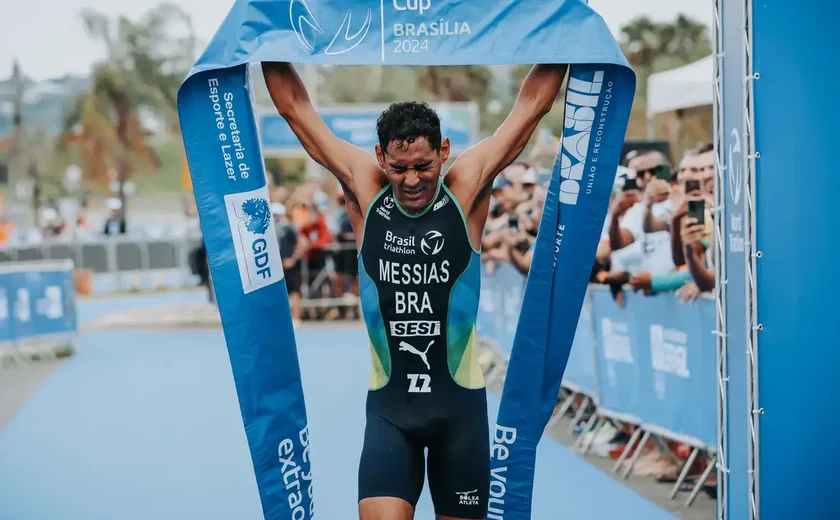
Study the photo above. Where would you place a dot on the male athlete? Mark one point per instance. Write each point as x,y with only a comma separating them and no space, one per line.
418,234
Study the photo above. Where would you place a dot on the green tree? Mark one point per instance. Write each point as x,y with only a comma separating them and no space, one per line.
656,46
140,75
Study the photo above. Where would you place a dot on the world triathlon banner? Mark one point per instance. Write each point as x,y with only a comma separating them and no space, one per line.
216,109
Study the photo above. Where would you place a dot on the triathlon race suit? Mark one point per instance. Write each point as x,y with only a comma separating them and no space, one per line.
419,281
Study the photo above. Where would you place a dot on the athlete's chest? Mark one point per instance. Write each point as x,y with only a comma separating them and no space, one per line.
436,232
420,253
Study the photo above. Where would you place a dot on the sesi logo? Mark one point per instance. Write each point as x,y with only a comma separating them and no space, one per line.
303,23
412,328
582,98
254,239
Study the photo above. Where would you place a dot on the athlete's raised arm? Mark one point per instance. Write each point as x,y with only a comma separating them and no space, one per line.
475,169
355,169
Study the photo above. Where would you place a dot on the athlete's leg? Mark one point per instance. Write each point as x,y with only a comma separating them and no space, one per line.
459,466
391,472
385,508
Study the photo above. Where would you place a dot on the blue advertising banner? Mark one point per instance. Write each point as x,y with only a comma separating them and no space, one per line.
581,370
621,358
50,295
220,136
357,125
37,299
656,360
6,331
733,76
23,324
680,382
499,304
498,313
596,114
797,347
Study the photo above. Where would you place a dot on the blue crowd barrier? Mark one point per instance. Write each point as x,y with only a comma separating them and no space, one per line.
499,306
651,362
501,299
37,301
582,371
656,358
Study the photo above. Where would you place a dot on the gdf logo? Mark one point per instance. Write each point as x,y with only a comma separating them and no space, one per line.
301,16
581,99
735,167
254,239
432,243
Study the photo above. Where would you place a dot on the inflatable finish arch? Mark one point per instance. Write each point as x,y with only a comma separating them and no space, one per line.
216,109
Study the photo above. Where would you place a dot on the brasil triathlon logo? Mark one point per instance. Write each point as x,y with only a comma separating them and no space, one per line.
257,216
432,243
303,23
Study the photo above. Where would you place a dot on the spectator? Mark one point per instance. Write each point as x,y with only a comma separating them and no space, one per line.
293,247
317,233
503,202
628,218
115,224
346,258
696,177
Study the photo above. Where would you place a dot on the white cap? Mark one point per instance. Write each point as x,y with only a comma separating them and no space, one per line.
530,176
278,209
49,214
113,203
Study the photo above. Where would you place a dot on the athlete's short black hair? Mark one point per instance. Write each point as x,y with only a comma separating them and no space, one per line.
407,121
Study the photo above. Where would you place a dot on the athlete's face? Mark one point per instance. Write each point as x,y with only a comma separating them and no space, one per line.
413,169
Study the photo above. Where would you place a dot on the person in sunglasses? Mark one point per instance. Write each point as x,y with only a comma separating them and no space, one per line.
627,224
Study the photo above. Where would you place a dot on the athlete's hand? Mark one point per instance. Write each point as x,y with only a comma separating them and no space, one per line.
656,191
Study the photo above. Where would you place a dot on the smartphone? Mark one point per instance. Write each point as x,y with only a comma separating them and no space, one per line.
513,222
692,185
630,184
697,210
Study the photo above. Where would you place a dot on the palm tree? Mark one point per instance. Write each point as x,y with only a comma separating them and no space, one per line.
143,68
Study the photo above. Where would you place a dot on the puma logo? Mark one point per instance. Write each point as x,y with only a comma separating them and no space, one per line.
405,347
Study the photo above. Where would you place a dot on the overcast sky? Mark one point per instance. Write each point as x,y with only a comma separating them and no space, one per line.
59,45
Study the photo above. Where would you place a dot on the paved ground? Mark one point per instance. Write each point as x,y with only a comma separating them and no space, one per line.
18,383
158,311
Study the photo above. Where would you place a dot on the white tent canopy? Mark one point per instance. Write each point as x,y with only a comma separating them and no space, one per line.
684,87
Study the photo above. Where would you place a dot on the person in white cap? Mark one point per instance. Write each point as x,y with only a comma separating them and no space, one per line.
529,181
115,225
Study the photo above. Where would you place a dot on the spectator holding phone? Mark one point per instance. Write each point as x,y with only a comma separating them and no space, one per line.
696,238
627,225
696,176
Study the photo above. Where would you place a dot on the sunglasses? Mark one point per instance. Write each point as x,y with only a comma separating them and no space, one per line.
660,171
